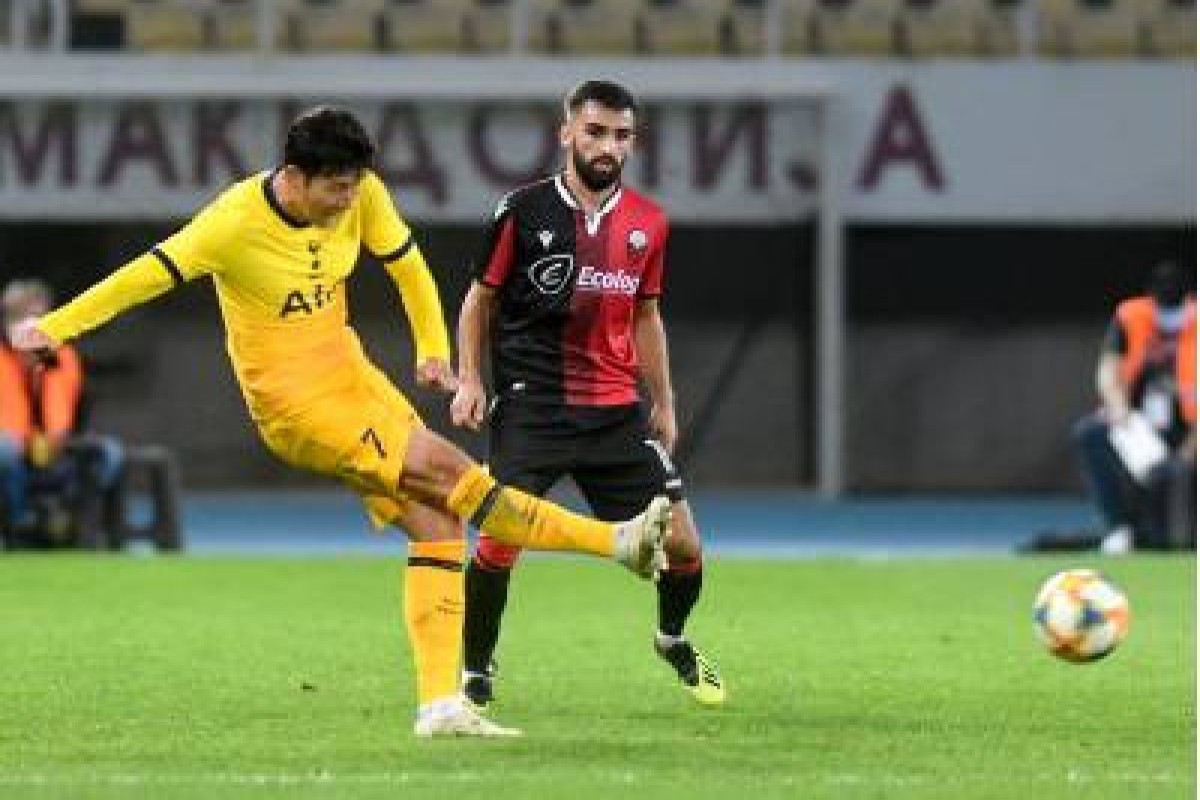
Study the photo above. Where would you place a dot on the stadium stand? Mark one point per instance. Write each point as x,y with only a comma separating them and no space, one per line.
941,28
487,27
1089,28
838,28
1170,27
680,27
744,28
1000,27
583,26
333,25
235,25
165,25
424,25
841,27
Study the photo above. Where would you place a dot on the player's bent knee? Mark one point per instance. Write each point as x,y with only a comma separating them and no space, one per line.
432,466
422,523
683,542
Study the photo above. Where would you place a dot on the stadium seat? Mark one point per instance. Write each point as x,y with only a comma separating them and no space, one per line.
1000,27
164,25
333,25
1170,27
487,27
235,25
1089,28
425,25
679,27
743,29
151,479
942,27
584,26
840,27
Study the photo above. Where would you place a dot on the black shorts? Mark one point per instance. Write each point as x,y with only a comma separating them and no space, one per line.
608,452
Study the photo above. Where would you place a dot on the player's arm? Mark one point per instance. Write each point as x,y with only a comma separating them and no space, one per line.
478,314
474,330
192,251
140,280
387,236
650,340
423,308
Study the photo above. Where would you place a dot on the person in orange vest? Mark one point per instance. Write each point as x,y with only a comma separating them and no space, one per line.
1147,369
39,413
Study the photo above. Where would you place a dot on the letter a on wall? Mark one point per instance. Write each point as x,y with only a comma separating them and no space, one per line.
900,139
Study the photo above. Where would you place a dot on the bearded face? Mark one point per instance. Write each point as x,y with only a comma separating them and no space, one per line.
598,140
599,172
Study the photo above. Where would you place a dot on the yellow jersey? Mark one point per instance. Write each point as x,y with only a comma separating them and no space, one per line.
281,288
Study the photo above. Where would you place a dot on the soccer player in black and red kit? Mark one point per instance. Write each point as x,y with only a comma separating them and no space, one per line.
566,301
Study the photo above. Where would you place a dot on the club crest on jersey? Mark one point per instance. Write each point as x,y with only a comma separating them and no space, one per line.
638,240
545,237
552,273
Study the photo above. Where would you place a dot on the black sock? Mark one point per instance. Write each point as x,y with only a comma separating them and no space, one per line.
677,594
487,594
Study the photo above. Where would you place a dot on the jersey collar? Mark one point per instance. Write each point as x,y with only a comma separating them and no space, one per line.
276,206
591,221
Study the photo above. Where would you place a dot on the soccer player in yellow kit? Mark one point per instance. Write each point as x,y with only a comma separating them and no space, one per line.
279,247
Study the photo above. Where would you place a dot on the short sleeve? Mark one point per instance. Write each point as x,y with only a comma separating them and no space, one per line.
384,233
652,276
499,248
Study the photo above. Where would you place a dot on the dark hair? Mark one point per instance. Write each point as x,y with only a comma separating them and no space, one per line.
327,141
606,93
1167,285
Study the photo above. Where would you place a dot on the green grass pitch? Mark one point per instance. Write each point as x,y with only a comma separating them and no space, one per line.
212,677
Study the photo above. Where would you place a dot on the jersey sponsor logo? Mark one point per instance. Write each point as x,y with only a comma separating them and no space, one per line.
619,282
550,274
299,301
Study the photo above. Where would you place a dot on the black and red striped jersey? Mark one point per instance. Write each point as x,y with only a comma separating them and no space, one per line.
568,286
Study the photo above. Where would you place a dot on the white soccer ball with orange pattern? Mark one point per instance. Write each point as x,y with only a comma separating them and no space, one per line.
1080,615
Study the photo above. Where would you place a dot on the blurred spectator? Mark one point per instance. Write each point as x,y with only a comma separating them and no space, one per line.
1138,450
41,449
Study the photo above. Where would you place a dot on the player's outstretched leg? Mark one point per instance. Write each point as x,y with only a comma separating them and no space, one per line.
436,471
515,517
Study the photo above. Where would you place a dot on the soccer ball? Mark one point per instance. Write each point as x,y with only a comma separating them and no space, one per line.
1080,616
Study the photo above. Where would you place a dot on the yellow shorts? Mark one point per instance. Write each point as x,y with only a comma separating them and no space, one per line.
358,434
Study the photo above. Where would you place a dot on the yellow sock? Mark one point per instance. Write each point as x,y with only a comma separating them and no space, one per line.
514,517
433,615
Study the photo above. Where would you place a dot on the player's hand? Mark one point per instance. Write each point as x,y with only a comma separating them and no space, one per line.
436,374
469,406
663,426
26,336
